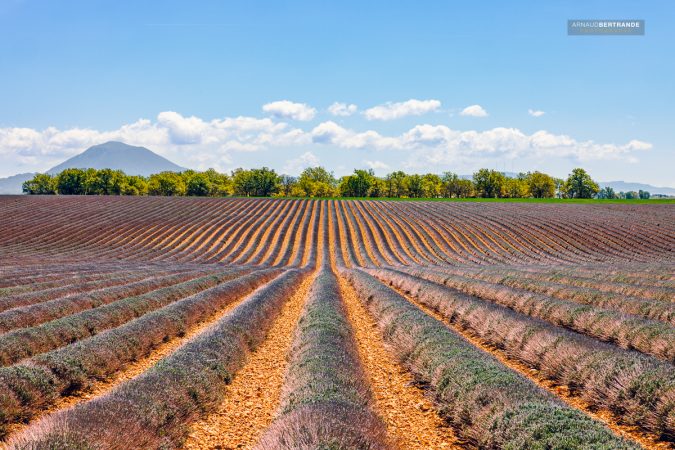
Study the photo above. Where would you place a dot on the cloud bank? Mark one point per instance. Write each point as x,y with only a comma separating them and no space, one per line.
200,144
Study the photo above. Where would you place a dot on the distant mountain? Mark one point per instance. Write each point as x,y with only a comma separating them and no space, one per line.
111,155
12,185
624,186
119,156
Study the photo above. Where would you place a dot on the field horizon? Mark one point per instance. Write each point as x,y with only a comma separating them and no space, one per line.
635,201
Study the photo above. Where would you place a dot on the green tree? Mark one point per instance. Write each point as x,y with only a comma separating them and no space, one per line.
396,184
449,184
72,182
166,183
265,182
540,185
221,184
607,193
454,186
378,188
431,185
287,185
106,182
40,184
134,185
243,182
579,184
489,183
358,184
644,195
199,185
255,182
414,185
317,182
515,188
465,189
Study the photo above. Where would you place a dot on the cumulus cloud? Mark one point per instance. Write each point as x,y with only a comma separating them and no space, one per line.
474,111
412,107
286,109
376,164
535,113
182,130
439,144
198,143
342,109
297,165
332,133
189,141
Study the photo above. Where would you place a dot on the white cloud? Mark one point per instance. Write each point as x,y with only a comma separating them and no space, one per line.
332,133
535,113
188,141
342,109
412,107
440,144
297,165
474,111
182,130
376,164
289,110
199,143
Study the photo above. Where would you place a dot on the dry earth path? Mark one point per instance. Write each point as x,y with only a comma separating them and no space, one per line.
411,419
253,396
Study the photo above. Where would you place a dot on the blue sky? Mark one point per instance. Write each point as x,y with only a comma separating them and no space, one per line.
190,81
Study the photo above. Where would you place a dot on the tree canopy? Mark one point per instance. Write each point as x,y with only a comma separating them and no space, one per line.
319,182
579,184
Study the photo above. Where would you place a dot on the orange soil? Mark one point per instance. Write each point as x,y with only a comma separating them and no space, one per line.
253,396
410,418
287,236
562,392
343,239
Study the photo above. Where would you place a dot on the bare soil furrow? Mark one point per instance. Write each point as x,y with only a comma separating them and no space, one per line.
411,420
253,396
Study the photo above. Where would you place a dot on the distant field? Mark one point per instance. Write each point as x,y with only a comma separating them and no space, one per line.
560,201
159,322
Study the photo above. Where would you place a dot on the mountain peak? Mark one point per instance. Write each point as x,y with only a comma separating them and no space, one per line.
119,156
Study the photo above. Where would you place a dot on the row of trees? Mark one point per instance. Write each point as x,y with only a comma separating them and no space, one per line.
318,182
608,193
116,182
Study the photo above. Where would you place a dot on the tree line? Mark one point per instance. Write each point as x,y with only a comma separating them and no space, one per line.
319,182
